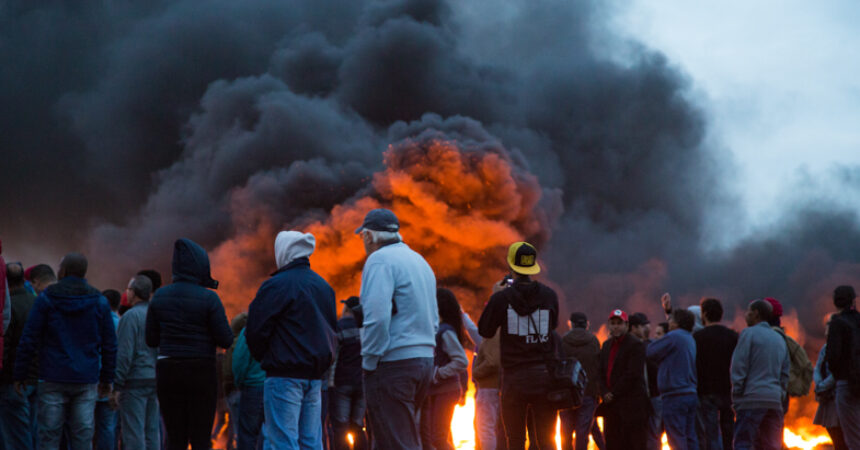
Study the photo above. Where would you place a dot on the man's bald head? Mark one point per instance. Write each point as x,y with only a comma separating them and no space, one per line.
758,311
15,275
73,265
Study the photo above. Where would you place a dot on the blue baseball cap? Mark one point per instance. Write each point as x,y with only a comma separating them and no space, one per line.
379,220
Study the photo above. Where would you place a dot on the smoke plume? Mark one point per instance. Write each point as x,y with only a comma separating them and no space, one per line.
129,124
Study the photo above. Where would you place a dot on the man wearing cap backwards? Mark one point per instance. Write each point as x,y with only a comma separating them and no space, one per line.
760,370
290,330
398,338
622,384
527,312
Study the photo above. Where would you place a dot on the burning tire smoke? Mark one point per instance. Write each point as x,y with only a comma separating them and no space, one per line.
460,199
129,124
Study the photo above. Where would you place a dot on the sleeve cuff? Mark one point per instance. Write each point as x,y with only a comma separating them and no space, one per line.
369,362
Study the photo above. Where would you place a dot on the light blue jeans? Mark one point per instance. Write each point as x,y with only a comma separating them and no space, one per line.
138,411
59,401
488,406
292,408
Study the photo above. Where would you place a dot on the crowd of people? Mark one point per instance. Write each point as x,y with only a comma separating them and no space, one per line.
145,369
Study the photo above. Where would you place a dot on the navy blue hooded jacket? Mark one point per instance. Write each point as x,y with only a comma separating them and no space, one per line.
185,319
71,328
291,323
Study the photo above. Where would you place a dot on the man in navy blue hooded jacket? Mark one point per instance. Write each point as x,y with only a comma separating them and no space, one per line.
71,328
291,331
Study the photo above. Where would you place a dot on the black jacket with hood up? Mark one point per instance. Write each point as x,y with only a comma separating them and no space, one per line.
584,346
185,319
528,315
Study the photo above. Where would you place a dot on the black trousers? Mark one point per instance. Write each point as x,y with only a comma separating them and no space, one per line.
624,428
524,393
187,390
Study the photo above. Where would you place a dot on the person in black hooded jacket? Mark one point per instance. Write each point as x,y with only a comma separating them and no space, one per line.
186,321
527,312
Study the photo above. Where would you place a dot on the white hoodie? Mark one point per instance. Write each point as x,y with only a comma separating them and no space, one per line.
291,245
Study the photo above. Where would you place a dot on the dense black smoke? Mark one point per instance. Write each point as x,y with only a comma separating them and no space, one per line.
128,124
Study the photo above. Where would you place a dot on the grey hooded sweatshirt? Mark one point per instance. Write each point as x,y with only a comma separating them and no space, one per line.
760,369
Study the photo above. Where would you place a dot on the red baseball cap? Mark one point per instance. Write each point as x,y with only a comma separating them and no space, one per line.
619,314
776,305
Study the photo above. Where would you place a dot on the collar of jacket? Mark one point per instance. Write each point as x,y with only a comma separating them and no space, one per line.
303,261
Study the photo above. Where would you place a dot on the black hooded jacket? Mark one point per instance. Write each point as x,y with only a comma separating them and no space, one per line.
185,319
528,314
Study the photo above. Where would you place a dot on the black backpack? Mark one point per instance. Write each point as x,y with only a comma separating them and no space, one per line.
567,376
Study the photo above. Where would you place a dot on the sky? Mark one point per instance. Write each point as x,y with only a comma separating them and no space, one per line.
779,79
702,148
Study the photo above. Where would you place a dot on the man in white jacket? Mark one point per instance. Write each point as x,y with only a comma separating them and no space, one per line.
400,318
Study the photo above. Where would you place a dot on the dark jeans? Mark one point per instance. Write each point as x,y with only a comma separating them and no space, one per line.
105,419
758,428
654,430
347,409
848,409
250,417
716,423
187,393
837,438
581,420
436,415
679,419
523,391
16,417
395,392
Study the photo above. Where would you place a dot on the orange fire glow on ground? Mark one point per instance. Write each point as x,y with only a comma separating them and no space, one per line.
799,432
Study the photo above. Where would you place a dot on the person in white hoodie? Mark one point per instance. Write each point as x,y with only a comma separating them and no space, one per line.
398,338
291,331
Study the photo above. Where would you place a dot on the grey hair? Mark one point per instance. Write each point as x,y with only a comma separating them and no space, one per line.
377,236
142,287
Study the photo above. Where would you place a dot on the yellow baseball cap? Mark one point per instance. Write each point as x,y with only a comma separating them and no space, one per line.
522,257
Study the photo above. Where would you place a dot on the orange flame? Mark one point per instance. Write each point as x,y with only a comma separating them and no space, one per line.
459,208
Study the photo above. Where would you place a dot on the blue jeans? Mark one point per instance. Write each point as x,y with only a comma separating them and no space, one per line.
716,423
679,418
759,429
581,421
848,409
138,411
394,393
292,409
15,425
59,401
654,432
488,409
250,416
105,420
436,415
347,415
